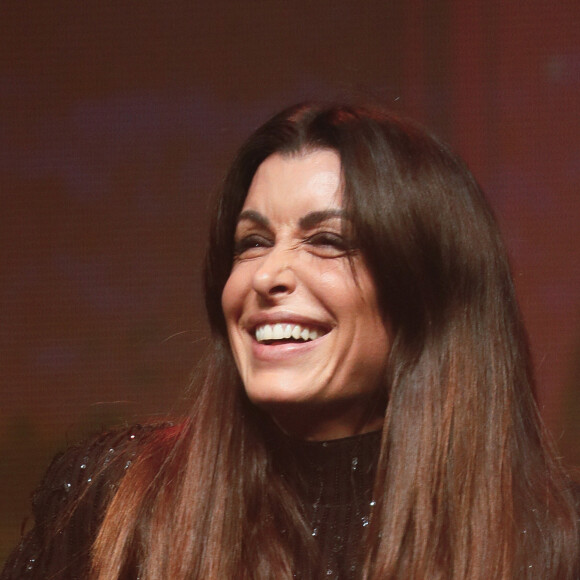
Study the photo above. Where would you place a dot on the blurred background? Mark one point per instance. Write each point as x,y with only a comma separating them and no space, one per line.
118,120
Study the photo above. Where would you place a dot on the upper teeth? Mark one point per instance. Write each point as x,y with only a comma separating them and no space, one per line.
284,330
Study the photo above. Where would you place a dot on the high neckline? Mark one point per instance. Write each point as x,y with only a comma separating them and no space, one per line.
338,470
334,483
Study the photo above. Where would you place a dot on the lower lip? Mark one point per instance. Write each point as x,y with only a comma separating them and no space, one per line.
280,352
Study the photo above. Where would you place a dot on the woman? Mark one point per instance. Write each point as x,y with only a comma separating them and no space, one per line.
367,408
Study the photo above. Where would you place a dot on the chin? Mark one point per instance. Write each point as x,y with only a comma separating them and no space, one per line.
279,394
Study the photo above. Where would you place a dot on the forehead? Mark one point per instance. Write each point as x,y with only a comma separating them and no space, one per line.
293,185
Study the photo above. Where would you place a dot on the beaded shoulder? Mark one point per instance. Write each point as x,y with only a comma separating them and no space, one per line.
82,464
70,502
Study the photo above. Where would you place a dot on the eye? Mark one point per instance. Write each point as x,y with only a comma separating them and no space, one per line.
329,244
251,246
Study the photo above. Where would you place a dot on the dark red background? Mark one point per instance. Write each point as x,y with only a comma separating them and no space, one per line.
117,121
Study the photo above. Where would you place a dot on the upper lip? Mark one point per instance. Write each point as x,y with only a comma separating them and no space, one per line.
260,318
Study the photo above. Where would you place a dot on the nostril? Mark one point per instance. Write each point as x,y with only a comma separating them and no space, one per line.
278,289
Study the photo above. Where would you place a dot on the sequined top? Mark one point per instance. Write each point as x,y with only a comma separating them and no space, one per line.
334,481
81,480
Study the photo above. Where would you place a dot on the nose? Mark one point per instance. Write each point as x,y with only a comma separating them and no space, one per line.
275,276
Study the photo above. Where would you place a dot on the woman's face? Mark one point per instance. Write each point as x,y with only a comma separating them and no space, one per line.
303,320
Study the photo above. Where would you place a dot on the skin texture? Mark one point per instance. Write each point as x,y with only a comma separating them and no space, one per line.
292,267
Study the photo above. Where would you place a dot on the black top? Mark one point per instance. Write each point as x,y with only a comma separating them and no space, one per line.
82,481
334,480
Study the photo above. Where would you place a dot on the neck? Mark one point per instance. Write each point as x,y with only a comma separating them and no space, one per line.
324,423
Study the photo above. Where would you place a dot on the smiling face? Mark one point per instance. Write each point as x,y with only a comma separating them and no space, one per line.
303,320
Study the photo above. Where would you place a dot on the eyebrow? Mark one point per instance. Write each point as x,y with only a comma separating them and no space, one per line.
306,222
254,216
315,217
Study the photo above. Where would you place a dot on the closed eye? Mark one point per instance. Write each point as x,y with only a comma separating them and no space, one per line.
251,246
328,244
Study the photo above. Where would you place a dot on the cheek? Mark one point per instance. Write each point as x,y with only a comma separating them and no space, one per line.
352,299
371,340
233,293
232,305
226,300
368,323
231,302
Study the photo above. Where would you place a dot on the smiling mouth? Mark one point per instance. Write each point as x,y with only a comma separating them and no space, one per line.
286,332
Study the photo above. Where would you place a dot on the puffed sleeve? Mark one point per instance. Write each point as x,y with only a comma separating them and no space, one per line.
69,506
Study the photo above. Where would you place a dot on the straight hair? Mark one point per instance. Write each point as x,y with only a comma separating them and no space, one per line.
468,486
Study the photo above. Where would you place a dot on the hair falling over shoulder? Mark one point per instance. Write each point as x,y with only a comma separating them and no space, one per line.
468,485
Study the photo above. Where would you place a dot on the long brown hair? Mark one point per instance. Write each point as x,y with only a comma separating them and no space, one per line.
467,486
